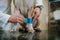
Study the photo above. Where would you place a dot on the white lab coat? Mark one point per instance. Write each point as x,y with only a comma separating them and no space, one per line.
4,15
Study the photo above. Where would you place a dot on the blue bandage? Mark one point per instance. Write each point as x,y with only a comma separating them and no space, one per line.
28,20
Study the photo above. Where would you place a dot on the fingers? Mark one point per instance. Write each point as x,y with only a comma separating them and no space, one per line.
35,14
34,23
20,22
34,18
20,18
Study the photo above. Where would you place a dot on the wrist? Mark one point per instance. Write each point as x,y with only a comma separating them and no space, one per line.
12,19
38,7
9,20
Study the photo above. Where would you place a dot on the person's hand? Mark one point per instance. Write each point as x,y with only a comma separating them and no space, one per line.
17,18
36,13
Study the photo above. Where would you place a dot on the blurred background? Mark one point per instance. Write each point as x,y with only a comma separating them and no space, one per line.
54,20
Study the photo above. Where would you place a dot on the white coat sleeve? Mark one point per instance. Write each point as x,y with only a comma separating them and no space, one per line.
3,18
39,3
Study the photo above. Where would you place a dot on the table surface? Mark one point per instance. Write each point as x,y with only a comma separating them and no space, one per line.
43,35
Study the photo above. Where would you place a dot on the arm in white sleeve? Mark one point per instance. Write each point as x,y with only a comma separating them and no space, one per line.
3,18
39,3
